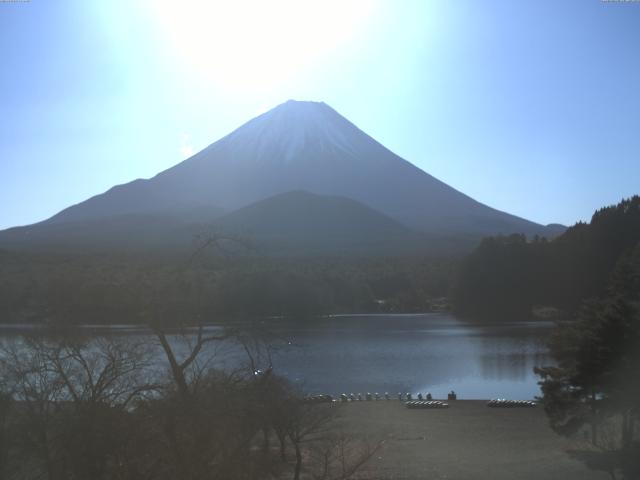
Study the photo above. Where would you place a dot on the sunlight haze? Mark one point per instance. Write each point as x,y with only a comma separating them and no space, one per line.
485,96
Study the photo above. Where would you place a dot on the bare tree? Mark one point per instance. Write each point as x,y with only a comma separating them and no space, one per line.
180,367
73,399
341,456
306,423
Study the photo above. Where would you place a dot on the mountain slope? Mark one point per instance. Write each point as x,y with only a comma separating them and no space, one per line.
304,146
125,232
297,146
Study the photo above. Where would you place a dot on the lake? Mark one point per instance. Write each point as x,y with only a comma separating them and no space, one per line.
433,352
415,353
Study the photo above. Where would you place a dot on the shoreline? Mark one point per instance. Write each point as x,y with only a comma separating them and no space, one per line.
283,319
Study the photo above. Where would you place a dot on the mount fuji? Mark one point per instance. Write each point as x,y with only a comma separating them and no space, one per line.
301,147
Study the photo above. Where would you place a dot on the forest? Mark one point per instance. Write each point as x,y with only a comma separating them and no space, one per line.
62,289
508,276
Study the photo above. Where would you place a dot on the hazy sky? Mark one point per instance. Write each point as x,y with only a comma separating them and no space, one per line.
532,107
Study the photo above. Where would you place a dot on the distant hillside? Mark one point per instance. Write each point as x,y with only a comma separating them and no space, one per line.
302,222
508,275
121,233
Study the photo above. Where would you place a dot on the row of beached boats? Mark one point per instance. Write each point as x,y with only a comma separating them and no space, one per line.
426,404
368,397
410,402
504,403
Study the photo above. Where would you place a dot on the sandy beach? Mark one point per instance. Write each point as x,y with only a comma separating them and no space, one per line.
466,441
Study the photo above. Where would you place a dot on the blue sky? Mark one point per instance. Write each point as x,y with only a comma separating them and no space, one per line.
532,107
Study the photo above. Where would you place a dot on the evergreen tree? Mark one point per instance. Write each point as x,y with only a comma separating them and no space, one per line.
595,381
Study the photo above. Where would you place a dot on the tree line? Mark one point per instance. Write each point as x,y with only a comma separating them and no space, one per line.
102,289
507,276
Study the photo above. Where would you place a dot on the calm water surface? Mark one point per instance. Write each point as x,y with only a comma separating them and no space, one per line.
415,353
433,352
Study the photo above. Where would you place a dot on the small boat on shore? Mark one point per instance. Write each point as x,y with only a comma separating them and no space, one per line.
504,403
425,404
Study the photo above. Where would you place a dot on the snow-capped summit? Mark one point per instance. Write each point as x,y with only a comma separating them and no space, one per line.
291,127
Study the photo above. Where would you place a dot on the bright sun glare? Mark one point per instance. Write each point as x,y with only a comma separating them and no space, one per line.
257,44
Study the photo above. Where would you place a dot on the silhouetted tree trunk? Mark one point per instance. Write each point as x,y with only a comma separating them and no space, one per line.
179,369
282,439
298,467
